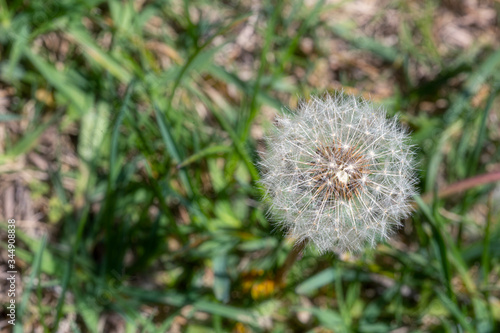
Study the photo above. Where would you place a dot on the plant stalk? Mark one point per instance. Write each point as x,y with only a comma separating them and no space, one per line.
464,185
294,254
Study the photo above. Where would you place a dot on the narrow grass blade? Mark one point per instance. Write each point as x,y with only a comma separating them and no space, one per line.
222,284
171,146
29,140
175,299
440,244
317,281
197,53
455,311
387,53
328,318
4,118
69,267
207,152
35,273
485,70
96,54
59,81
481,135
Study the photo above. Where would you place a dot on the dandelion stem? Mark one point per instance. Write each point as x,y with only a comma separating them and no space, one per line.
294,254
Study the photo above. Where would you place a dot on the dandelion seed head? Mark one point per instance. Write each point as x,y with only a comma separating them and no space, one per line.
339,173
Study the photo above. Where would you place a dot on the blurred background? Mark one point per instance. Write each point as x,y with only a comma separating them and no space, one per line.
130,132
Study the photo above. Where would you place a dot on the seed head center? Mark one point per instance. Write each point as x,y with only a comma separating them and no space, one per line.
342,176
338,172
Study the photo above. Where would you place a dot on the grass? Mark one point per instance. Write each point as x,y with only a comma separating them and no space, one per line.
133,130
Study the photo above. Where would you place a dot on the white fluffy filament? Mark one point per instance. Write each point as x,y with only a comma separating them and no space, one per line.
339,173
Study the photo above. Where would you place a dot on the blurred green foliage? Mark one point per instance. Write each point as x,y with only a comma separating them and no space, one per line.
164,227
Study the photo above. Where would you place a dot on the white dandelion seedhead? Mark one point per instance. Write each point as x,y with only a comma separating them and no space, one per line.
339,173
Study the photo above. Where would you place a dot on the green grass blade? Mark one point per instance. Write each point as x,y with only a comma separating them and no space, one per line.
387,53
172,148
484,72
455,311
30,139
94,52
207,152
59,81
35,273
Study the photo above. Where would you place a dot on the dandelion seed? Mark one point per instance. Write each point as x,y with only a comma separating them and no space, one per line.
348,171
